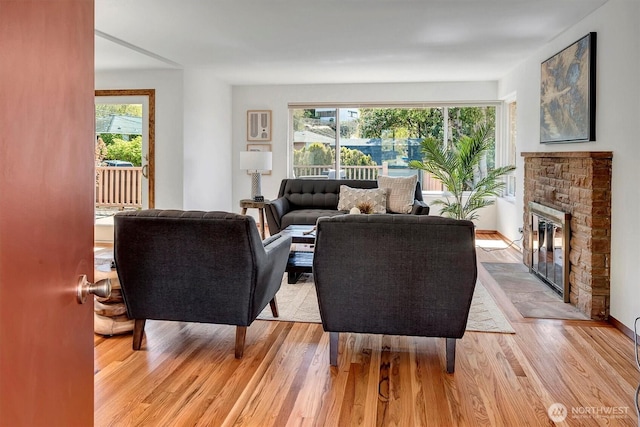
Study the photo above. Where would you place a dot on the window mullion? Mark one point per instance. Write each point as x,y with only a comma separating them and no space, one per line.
338,144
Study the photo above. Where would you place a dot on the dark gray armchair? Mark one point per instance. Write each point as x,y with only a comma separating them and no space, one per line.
193,266
395,275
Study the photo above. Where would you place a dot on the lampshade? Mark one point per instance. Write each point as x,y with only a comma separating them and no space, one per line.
255,160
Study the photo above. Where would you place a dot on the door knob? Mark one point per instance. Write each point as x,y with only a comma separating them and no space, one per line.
102,288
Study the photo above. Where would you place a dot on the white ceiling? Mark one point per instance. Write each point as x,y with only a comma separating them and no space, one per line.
330,41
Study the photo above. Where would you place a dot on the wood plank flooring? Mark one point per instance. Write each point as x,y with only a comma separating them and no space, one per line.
186,375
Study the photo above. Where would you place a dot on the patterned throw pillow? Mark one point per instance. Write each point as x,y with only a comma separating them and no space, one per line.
352,197
400,192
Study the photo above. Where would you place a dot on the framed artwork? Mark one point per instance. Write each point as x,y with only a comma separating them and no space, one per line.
259,125
568,93
259,147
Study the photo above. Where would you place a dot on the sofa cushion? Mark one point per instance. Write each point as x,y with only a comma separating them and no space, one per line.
305,216
400,192
352,197
318,193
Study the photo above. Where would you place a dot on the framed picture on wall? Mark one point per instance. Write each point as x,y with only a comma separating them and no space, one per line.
261,148
259,125
568,93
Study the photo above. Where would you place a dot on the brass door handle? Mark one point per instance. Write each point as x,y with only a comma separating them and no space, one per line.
102,288
145,171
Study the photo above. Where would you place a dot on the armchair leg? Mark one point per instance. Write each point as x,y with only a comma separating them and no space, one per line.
241,333
451,355
333,348
138,332
274,307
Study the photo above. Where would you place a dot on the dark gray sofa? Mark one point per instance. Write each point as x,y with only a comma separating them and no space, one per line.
396,275
302,201
194,266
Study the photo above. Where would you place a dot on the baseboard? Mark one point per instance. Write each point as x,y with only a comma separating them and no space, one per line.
99,244
622,327
514,246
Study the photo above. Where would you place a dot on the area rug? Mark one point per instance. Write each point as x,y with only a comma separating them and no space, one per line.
529,295
103,259
299,303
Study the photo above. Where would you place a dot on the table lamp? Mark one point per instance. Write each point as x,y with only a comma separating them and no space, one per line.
255,162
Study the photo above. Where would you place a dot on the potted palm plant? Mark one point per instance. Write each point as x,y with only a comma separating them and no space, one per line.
467,187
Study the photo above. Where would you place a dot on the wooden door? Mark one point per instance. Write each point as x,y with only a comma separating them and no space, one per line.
46,212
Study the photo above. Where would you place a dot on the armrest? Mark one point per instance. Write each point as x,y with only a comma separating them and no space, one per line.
277,248
419,208
275,241
275,210
270,271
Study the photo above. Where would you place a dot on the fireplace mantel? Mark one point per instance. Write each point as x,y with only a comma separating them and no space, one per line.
569,154
579,183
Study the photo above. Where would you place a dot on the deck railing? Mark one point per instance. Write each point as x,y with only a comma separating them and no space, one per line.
429,183
346,172
119,187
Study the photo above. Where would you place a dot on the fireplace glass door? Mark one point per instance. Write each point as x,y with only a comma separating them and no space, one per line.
547,255
549,246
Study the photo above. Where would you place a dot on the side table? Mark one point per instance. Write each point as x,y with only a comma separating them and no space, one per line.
110,314
250,203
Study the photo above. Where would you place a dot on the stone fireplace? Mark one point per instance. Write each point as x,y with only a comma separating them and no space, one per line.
579,184
549,246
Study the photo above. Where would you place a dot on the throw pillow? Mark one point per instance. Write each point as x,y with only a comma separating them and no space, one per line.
400,192
352,197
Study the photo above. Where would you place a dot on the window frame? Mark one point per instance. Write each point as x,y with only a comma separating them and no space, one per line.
498,126
508,147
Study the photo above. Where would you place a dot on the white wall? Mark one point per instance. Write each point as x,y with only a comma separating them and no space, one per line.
276,98
508,219
168,132
207,142
486,216
193,135
617,121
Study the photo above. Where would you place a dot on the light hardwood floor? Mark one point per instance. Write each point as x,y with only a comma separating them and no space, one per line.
186,374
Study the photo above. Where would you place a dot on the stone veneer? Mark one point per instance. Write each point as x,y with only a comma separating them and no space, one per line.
578,183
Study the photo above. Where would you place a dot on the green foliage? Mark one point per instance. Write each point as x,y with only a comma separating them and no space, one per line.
459,168
104,110
313,154
322,154
351,157
299,119
400,122
130,151
109,138
465,120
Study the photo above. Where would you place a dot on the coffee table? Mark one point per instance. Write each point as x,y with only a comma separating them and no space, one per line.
299,261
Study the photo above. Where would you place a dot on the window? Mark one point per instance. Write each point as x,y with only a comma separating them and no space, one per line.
510,146
314,142
374,140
